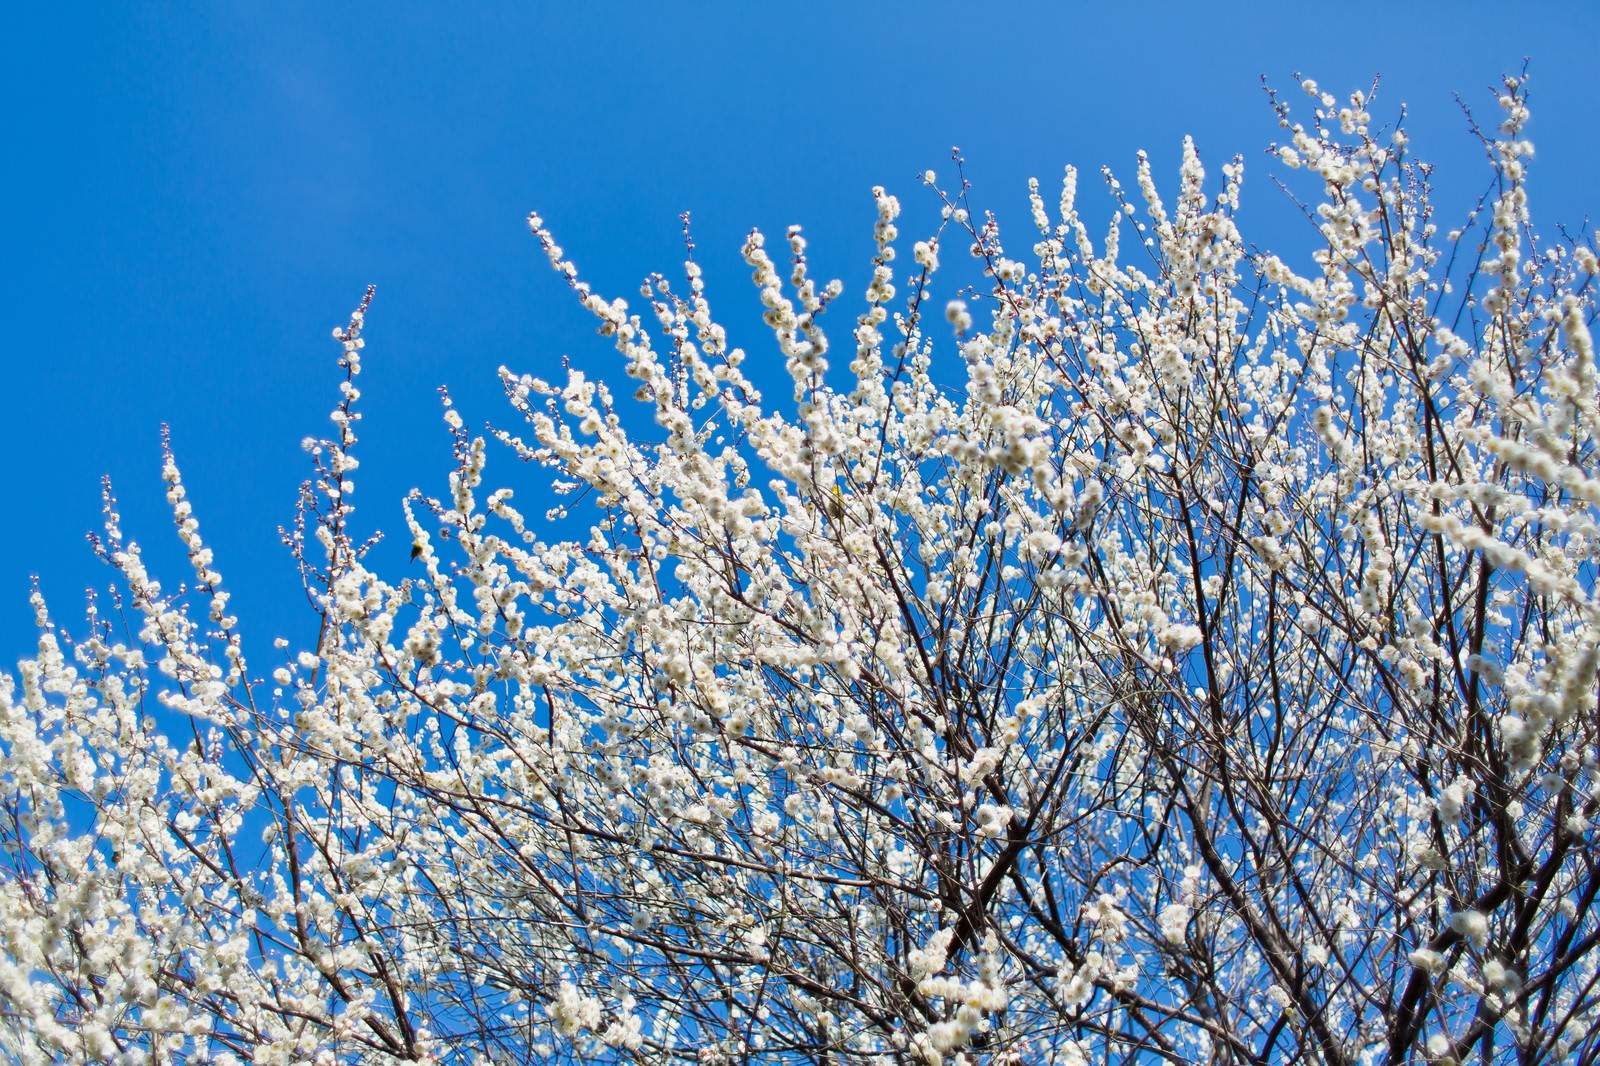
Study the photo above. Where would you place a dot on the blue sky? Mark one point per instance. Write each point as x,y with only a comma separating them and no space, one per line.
198,194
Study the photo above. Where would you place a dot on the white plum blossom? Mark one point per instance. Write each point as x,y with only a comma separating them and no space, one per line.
1472,925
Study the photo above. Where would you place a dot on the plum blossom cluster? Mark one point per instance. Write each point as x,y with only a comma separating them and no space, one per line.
1170,652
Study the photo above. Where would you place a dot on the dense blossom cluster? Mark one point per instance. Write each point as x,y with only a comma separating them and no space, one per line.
1197,666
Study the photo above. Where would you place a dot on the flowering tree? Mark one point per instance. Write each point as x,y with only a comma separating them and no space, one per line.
1199,666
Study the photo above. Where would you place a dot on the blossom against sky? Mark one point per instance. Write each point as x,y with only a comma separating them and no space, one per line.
198,194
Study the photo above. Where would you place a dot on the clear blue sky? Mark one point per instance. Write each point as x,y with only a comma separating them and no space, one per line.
197,194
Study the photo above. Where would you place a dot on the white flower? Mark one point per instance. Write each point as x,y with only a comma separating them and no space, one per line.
1471,924
1177,639
1427,960
572,1011
1174,922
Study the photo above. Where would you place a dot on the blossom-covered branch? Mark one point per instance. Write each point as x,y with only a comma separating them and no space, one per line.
1154,650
